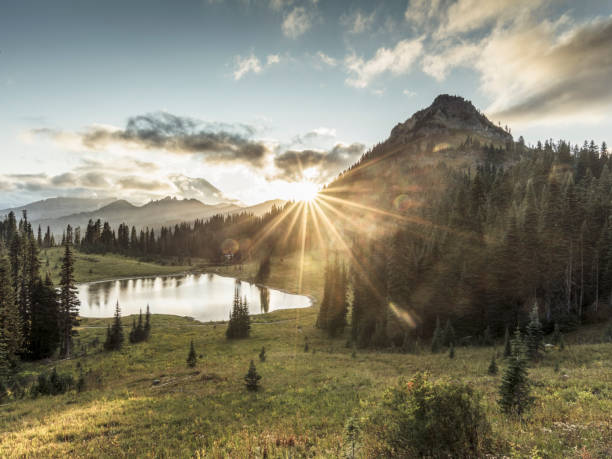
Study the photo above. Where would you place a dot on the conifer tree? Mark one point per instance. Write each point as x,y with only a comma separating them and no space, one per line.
556,336
252,378
514,389
534,334
451,351
487,337
492,370
449,333
507,344
114,337
147,325
437,339
192,358
69,303
262,354
10,327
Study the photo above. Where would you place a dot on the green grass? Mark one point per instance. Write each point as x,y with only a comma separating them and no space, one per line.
92,267
305,398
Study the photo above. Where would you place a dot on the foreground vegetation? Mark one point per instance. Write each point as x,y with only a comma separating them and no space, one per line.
144,399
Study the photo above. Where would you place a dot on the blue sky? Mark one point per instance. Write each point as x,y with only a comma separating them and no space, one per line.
243,89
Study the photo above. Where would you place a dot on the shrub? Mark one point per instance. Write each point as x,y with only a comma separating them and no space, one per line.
52,384
423,418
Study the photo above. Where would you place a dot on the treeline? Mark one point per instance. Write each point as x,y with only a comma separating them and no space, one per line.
36,319
215,239
495,243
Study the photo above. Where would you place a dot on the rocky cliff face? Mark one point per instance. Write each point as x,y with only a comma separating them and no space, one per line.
448,116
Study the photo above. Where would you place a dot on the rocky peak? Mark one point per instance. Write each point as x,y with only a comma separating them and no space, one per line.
447,115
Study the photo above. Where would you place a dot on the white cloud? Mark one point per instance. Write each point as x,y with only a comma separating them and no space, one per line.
297,22
273,59
327,60
358,22
396,61
408,93
467,15
419,11
438,65
245,65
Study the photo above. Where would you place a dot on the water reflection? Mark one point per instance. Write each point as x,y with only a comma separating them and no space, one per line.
203,297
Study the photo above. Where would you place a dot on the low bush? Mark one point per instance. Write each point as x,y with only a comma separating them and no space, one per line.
52,384
422,418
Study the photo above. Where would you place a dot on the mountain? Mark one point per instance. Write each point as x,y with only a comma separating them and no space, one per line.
58,207
154,214
409,169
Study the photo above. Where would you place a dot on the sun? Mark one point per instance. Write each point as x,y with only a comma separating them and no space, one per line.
303,191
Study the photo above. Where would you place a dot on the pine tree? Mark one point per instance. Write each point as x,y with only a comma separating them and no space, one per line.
556,337
449,333
262,354
437,338
507,344
252,378
11,338
69,303
451,351
492,370
114,337
192,359
534,334
487,337
514,389
147,325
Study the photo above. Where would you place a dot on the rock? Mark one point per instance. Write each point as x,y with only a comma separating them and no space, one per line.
156,382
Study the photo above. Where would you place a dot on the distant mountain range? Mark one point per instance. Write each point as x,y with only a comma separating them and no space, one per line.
57,213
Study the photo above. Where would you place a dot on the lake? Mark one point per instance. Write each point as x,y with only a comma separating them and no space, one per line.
201,296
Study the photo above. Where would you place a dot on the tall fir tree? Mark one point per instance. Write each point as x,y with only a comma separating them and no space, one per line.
515,386
69,303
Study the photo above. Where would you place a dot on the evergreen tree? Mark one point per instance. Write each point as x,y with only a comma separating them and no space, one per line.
114,337
449,333
252,378
451,351
534,334
487,337
69,303
239,324
262,354
11,338
556,337
507,344
492,370
45,333
192,358
437,340
514,389
147,325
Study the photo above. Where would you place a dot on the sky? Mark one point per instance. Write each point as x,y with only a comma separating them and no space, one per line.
249,100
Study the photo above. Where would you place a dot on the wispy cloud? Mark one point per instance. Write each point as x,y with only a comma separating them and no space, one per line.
358,22
397,61
316,165
297,22
246,65
174,134
325,59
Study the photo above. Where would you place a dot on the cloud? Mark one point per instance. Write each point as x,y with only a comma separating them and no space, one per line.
273,59
419,11
297,22
396,61
438,65
556,76
245,65
176,134
358,22
468,15
408,93
319,166
315,137
134,182
325,59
